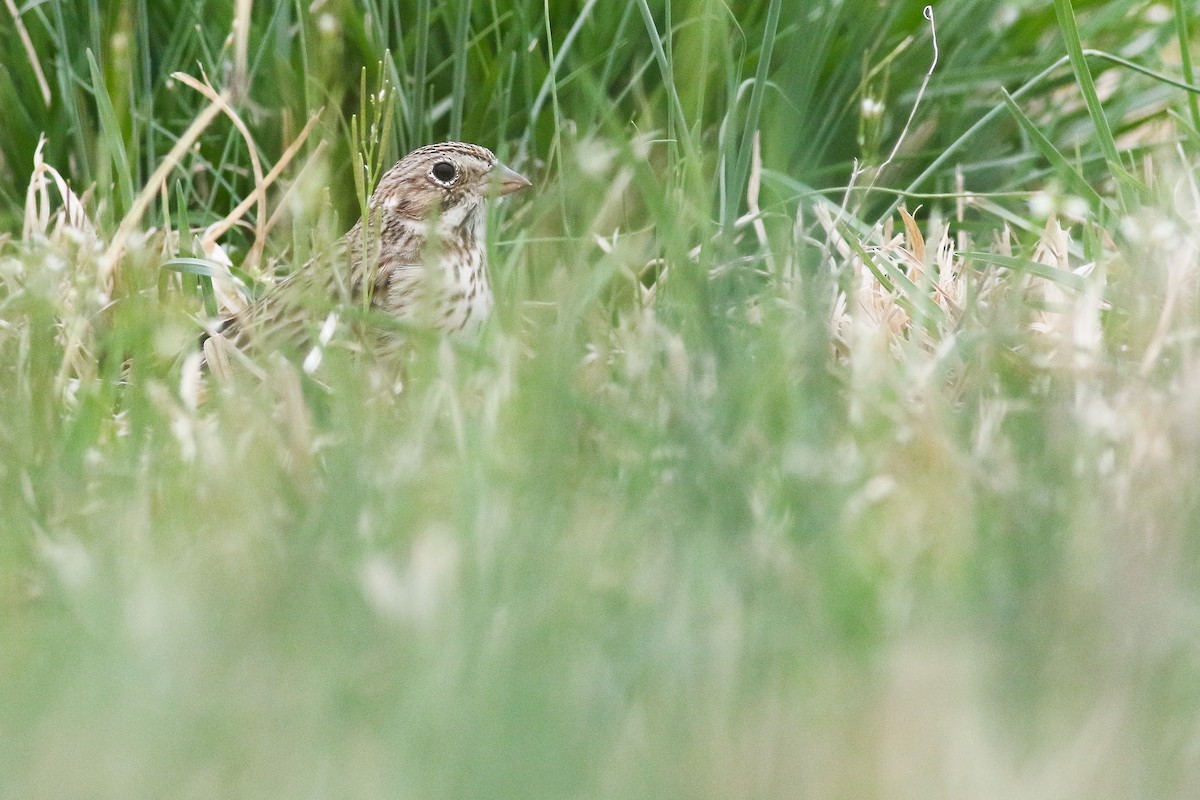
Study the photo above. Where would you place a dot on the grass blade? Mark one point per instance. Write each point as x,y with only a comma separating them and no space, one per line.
111,137
741,170
1087,87
1052,154
1068,279
1185,57
676,119
462,38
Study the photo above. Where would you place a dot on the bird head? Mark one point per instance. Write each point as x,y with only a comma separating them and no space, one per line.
448,180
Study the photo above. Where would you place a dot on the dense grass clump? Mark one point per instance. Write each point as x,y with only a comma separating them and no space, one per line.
834,435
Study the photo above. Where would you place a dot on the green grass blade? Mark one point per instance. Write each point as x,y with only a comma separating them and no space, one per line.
1044,146
1068,279
460,46
1087,87
195,266
745,147
1182,10
203,272
419,115
111,137
676,119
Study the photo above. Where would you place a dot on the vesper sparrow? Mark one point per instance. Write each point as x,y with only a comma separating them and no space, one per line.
419,256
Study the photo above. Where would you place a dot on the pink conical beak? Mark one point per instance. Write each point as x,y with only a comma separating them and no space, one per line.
507,180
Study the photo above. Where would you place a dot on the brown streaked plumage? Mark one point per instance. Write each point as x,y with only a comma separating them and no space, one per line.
418,255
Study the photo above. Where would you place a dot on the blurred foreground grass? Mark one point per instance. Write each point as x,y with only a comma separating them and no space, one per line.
750,489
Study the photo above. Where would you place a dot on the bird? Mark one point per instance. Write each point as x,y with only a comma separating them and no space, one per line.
417,255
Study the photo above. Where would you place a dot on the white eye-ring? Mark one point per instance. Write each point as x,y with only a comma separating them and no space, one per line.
444,173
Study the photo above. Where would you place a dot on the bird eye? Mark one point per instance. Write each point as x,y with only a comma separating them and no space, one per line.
444,172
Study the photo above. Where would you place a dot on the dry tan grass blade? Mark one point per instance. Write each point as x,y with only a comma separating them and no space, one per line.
916,242
220,100
38,218
108,263
1070,321
241,45
218,103
755,210
218,229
